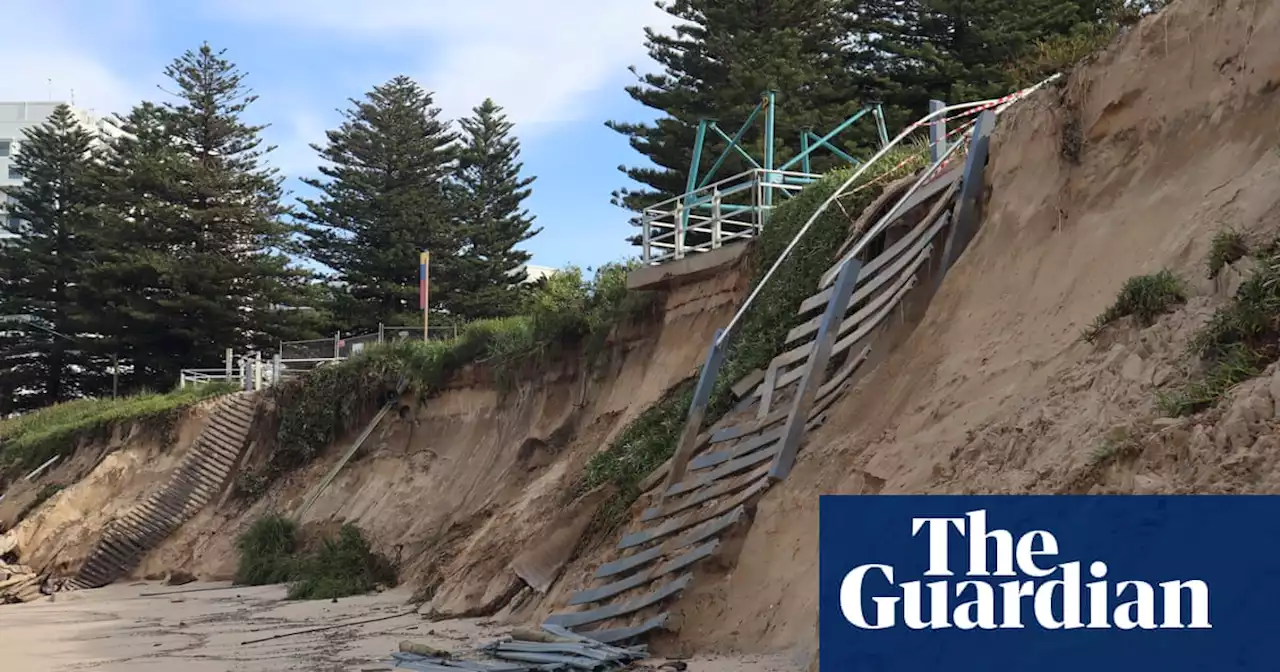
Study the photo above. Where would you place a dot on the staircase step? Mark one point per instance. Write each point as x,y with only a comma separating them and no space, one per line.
620,586
571,619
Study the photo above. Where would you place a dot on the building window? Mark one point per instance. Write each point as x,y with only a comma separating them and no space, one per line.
13,172
6,147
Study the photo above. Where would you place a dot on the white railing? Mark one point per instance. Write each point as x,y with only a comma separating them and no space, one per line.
707,218
203,376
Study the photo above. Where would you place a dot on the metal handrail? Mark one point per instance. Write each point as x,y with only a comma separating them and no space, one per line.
839,191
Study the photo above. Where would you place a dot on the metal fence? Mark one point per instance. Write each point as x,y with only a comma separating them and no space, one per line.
293,358
342,347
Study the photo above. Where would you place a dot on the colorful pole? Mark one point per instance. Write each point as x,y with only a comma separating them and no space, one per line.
424,274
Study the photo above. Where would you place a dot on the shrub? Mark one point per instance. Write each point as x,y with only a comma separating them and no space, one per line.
270,553
340,567
266,551
1227,246
763,332
1145,297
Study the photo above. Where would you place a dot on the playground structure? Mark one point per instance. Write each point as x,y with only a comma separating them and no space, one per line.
711,214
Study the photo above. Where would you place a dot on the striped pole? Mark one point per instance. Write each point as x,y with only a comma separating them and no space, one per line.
424,261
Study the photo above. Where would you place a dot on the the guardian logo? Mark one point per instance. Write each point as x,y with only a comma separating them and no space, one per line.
1039,590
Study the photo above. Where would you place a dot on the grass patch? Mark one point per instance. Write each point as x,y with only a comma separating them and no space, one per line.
1228,246
1145,297
1061,52
334,566
640,449
1238,342
1235,365
30,439
1117,444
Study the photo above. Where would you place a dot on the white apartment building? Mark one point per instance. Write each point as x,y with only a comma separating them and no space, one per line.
536,273
15,117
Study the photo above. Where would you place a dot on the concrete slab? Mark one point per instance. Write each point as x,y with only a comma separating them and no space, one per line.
693,267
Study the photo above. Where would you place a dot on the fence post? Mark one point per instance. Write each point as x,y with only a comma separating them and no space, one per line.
257,370
644,237
937,132
381,332
231,360
697,411
716,231
337,349
679,237
964,216
275,370
182,379
815,369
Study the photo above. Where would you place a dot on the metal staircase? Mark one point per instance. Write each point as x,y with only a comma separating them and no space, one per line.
715,478
202,475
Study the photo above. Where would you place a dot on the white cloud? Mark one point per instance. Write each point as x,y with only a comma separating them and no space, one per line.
45,60
539,59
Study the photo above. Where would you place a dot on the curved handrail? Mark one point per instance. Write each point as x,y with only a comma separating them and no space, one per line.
795,240
1000,103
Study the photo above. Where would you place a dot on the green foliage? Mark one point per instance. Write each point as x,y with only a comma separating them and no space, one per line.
267,551
271,552
50,214
1061,52
717,62
1238,342
1251,318
1227,247
1235,364
1119,442
27,440
764,329
195,243
563,311
1145,297
643,446
340,567
384,198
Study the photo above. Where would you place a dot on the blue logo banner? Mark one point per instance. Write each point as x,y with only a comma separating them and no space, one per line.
1049,583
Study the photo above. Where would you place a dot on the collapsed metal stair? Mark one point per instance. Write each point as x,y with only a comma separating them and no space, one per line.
203,473
732,466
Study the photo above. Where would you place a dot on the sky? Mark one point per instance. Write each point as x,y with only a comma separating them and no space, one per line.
558,67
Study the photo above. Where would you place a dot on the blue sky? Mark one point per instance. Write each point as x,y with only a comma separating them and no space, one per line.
557,66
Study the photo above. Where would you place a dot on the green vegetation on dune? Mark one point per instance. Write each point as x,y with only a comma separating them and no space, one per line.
1145,297
329,567
28,440
1239,341
774,313
566,313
